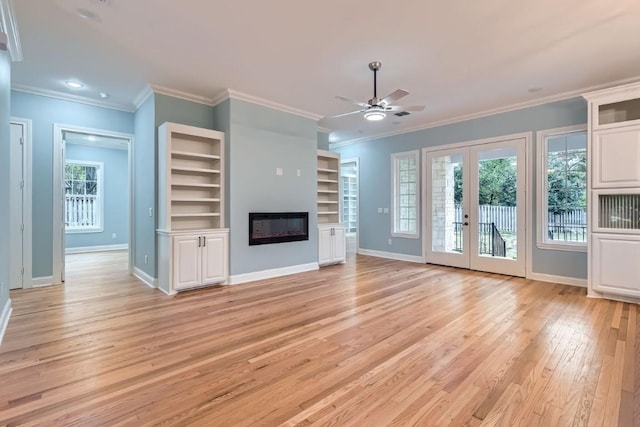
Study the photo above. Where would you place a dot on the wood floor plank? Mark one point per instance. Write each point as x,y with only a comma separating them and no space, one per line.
372,342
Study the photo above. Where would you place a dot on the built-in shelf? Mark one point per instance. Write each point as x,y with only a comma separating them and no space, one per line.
327,191
327,170
191,178
328,213
195,215
328,179
190,155
198,170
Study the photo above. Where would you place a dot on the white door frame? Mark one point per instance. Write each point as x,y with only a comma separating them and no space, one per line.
355,160
27,194
58,193
528,189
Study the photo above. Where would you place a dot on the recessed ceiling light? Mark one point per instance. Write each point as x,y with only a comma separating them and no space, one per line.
88,15
73,84
104,95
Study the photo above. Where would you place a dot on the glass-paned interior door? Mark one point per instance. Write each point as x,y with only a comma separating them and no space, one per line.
447,211
497,228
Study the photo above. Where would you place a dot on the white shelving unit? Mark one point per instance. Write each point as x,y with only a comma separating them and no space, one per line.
331,232
193,246
614,193
349,203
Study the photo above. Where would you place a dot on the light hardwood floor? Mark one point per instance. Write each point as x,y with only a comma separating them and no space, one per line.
373,342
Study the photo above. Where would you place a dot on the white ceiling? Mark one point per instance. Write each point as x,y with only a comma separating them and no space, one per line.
457,57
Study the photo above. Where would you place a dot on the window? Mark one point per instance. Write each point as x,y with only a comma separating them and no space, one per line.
83,196
405,194
562,188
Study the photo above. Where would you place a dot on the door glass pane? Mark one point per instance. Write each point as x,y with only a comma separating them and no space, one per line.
497,195
446,204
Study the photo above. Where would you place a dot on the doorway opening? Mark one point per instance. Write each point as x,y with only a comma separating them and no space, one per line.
476,206
93,201
349,195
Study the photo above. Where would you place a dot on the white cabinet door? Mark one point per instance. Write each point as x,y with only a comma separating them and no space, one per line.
615,267
187,270
325,248
214,258
616,158
339,244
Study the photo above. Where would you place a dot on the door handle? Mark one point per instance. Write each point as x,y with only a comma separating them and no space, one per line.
204,241
466,216
199,241
466,223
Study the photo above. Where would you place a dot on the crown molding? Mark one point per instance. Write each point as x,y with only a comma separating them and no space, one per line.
240,96
142,97
73,98
485,113
181,95
324,129
9,25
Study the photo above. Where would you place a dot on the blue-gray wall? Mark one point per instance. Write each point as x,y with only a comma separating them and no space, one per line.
375,175
115,217
144,187
262,140
44,112
323,140
5,137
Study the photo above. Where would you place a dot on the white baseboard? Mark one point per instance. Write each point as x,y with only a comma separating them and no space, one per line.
4,318
391,255
104,248
41,282
269,274
563,280
145,278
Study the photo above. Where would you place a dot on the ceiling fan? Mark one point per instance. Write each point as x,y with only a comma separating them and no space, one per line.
376,109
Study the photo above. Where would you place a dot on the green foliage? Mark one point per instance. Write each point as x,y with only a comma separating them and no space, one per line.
497,182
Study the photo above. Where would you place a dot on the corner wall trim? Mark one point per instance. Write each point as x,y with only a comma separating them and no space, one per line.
41,282
104,248
270,274
4,318
562,280
145,278
391,255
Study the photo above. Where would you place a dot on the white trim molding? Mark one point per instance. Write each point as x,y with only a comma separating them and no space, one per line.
391,255
71,98
272,273
324,129
41,282
161,90
27,207
234,94
562,280
5,315
89,249
145,278
58,172
9,26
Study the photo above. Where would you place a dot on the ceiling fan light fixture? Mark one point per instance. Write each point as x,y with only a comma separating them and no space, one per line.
375,115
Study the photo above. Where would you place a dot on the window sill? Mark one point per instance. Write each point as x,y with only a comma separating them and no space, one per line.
83,230
581,247
406,235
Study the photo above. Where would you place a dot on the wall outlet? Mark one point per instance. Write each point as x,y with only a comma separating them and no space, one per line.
279,171
386,210
379,210
113,236
390,242
146,259
150,211
299,172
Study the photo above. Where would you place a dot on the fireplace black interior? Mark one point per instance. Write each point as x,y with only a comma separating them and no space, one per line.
278,227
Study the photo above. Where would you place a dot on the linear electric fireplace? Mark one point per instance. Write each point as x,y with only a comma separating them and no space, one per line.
278,227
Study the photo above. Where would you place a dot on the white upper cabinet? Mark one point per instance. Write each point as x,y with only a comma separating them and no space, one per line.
616,158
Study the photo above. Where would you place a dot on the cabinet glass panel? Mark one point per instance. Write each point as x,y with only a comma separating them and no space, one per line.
619,211
618,112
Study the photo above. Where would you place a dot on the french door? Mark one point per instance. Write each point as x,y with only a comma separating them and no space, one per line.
475,200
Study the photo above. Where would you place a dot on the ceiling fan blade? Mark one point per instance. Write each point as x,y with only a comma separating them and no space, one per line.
353,101
401,108
348,114
393,96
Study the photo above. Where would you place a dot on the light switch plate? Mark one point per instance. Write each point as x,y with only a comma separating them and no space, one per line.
379,210
279,171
